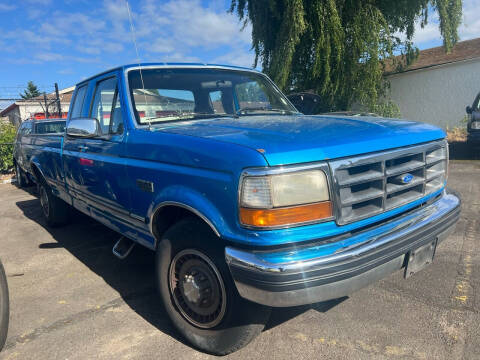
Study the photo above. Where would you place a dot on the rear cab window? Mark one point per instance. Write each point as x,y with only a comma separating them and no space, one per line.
50,127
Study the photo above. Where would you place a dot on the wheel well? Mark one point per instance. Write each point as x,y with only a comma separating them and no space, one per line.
38,175
168,215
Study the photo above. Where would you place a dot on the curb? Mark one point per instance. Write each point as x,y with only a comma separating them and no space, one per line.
8,181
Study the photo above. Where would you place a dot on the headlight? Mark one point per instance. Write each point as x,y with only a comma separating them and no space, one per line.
475,125
284,199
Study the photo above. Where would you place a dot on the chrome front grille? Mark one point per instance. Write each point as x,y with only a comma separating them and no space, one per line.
368,185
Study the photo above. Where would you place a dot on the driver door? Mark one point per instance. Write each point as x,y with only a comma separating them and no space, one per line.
99,162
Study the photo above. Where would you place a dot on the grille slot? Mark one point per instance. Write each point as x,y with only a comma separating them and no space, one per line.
368,185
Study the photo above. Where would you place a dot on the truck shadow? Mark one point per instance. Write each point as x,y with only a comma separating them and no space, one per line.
133,278
464,151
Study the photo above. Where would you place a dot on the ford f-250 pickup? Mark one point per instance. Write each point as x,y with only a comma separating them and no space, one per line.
247,203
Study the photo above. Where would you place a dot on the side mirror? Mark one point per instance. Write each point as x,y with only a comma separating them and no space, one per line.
83,128
468,109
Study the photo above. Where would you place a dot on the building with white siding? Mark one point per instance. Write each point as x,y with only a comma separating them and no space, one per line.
438,86
34,108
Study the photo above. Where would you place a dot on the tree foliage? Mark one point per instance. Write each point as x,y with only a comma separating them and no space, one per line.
7,137
339,47
31,91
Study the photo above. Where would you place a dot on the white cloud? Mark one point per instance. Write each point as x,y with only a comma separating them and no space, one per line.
428,33
469,29
67,71
177,30
40,2
236,57
48,56
7,7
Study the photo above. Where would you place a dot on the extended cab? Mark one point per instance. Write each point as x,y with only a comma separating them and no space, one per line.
34,134
247,203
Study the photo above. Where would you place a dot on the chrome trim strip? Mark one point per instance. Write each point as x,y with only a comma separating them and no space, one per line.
254,261
184,206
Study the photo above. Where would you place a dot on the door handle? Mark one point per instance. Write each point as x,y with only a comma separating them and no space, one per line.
82,147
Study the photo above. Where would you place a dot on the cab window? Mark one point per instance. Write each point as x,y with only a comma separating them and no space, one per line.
78,102
106,107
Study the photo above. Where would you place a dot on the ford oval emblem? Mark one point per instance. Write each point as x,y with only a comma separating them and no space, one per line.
406,178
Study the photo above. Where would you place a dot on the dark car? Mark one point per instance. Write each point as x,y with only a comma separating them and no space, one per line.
307,103
4,309
473,126
32,132
312,104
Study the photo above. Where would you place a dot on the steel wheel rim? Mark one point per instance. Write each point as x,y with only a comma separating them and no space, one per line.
44,201
197,289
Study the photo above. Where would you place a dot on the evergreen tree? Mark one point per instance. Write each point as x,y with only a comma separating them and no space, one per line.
30,92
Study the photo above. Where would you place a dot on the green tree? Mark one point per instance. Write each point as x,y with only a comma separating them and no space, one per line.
7,137
339,48
31,91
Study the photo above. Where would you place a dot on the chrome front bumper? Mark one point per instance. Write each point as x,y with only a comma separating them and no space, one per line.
305,274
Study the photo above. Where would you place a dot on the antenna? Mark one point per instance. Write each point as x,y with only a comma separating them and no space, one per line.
134,38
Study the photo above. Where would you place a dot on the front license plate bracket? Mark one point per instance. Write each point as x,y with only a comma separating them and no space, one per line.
419,258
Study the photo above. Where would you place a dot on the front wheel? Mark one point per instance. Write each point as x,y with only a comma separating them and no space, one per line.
199,294
4,307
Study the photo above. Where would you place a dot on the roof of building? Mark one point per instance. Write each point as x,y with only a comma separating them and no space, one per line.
464,50
64,94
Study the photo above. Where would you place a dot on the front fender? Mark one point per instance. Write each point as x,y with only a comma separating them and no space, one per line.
192,200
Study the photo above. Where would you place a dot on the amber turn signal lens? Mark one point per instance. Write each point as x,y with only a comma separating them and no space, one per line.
286,216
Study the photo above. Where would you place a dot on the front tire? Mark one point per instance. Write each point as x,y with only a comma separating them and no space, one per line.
199,294
54,209
4,307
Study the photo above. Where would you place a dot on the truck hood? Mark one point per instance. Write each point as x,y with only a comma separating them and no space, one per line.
291,139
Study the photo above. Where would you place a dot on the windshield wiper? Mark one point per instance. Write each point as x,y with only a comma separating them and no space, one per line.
181,116
245,110
197,115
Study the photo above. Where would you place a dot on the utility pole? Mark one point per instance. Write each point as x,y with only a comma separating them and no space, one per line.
46,105
59,105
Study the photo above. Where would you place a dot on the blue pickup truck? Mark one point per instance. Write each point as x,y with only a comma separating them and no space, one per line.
247,203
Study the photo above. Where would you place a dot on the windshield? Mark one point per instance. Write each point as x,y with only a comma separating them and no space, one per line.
182,94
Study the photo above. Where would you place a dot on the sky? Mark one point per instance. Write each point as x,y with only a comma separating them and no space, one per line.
49,41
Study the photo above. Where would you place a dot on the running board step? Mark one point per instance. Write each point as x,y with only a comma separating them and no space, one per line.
123,247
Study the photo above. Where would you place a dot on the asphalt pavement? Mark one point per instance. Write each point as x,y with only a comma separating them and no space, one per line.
72,299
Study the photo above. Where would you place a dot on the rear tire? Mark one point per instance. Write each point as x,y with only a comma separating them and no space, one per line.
54,209
199,294
20,176
4,307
